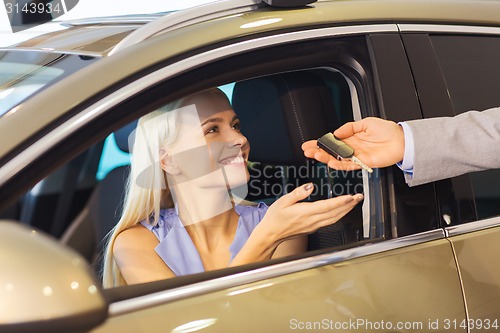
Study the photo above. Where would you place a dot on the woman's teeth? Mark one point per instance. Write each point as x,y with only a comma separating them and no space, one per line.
235,160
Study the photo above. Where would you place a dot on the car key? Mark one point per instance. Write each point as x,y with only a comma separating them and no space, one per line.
340,150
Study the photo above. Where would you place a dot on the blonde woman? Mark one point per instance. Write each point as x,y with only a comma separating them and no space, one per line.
183,211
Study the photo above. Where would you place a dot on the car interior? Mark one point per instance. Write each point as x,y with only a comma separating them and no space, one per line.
277,113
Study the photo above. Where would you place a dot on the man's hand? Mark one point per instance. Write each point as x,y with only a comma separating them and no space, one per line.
378,143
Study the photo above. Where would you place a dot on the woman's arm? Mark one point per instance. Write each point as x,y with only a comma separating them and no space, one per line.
134,254
291,246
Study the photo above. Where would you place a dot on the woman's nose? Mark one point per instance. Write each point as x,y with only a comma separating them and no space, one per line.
238,139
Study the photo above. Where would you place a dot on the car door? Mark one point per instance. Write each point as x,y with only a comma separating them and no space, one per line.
456,70
401,276
398,275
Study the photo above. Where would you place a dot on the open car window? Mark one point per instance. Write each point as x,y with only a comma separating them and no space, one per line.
82,201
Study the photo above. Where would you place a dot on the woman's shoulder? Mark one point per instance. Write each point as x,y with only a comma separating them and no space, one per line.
135,237
138,230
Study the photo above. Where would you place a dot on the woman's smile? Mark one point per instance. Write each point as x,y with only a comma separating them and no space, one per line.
236,159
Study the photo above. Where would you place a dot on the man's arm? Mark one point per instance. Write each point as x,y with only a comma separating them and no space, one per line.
450,146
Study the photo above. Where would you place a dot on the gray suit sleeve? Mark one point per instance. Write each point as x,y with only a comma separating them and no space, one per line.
450,146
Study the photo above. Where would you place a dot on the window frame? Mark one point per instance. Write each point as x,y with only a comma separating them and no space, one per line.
395,89
455,196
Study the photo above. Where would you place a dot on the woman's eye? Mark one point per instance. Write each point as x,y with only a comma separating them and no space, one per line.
213,129
237,126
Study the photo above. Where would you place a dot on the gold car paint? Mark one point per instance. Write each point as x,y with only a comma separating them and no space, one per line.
477,256
422,278
414,285
48,105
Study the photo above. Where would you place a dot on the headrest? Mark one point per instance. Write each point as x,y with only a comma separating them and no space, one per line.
280,112
122,135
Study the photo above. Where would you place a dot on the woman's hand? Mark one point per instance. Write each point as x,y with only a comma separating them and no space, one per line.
288,217
377,142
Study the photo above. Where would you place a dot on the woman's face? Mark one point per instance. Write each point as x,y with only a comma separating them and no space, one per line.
209,149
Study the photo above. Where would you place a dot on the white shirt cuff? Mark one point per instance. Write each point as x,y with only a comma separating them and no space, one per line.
409,156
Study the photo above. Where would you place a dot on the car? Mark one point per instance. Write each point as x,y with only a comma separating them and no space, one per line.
406,259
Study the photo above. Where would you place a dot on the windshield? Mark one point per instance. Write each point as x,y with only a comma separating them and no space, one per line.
23,73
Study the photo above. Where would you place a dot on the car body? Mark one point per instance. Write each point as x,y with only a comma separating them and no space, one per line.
421,258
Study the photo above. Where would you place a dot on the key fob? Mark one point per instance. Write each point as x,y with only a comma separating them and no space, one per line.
335,147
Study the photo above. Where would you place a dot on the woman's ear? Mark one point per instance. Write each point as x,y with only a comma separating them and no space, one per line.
167,164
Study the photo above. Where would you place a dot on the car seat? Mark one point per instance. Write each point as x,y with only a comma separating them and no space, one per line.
59,197
88,231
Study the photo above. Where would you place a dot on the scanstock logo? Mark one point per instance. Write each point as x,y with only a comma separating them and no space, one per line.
25,14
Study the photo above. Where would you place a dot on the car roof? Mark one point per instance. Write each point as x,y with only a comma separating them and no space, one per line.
53,103
102,35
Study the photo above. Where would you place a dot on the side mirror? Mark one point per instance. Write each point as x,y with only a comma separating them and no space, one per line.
44,286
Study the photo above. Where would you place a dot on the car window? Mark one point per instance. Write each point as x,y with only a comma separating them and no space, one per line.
273,114
96,179
24,73
472,73
112,157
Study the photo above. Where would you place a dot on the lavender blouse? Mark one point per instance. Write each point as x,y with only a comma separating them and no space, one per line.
177,249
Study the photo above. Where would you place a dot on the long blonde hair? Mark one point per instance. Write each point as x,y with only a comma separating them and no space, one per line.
146,189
